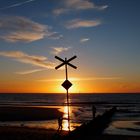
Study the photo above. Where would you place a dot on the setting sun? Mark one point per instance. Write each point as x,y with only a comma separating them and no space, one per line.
96,50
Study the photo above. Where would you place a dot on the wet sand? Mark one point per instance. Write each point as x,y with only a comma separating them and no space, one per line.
24,113
25,133
118,137
37,113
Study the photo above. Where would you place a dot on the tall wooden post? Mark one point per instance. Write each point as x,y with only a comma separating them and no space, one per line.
66,84
67,90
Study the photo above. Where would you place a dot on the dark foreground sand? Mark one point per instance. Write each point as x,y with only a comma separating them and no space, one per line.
117,137
24,133
24,113
37,113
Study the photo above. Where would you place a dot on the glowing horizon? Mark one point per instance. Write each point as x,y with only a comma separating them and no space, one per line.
103,36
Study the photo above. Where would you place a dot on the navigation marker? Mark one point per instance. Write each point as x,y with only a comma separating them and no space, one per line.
66,84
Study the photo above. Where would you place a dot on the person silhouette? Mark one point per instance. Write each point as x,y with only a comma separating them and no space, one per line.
60,124
93,111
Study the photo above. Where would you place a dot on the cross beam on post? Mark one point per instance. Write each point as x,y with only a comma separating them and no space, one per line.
66,84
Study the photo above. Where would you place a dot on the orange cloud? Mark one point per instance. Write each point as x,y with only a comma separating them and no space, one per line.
69,5
78,23
16,28
58,50
35,60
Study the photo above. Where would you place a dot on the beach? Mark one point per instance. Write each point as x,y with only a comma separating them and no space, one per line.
25,133
24,113
22,132
34,116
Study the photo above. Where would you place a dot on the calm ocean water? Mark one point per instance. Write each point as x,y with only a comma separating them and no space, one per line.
125,121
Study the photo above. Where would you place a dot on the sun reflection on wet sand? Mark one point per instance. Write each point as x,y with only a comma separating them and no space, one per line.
65,118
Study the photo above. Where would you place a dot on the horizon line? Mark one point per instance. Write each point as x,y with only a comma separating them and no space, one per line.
70,93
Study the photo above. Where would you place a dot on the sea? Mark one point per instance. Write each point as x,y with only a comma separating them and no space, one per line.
126,120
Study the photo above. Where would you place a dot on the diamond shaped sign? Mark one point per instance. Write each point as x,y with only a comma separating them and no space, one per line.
67,84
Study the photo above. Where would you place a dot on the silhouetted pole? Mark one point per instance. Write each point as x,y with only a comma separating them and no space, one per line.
67,90
66,84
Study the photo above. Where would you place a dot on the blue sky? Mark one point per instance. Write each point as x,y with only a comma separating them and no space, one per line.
104,34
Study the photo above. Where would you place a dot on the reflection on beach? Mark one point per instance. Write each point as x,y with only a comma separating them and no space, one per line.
65,118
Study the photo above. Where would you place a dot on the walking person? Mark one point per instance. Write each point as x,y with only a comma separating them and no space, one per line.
59,124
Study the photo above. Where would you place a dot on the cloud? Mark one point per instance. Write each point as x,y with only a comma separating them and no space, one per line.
21,29
84,40
59,11
79,4
34,60
23,36
77,23
58,50
55,35
16,4
69,5
30,71
82,79
100,78
102,7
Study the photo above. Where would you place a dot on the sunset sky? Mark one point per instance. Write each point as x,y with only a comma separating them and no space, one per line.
104,34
